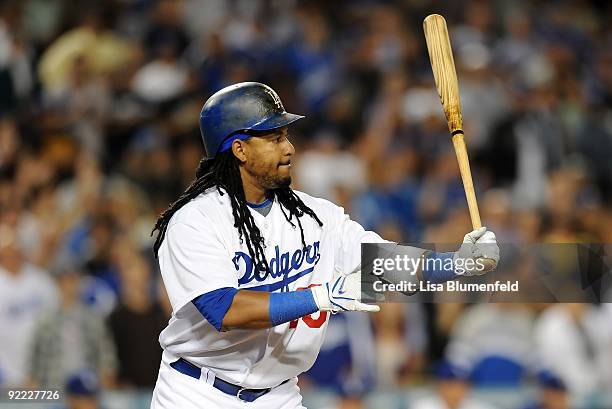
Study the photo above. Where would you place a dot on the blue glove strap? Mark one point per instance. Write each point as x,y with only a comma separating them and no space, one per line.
288,306
434,268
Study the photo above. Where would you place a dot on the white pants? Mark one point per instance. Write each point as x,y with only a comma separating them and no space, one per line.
175,390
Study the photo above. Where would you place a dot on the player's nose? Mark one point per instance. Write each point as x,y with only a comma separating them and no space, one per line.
289,149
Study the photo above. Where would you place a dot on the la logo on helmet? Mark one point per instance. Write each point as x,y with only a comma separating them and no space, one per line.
276,99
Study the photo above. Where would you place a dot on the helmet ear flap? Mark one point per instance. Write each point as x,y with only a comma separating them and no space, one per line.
245,108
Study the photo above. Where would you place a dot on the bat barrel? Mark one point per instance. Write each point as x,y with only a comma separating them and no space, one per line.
443,67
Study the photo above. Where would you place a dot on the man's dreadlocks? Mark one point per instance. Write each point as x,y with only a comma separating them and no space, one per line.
222,172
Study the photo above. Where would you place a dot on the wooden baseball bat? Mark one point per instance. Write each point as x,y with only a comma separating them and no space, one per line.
443,66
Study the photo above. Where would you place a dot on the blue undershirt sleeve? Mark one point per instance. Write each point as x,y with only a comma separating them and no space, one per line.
214,305
436,271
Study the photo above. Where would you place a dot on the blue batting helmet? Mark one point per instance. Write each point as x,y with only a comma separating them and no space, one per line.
242,107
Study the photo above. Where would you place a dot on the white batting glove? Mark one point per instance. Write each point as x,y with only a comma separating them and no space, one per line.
342,293
481,246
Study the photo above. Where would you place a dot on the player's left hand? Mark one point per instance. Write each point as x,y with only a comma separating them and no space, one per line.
481,246
342,293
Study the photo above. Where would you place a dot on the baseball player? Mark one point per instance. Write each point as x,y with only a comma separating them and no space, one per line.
253,268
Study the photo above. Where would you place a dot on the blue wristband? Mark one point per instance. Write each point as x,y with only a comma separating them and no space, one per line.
438,267
288,306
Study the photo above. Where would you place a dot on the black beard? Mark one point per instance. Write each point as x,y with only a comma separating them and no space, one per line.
269,182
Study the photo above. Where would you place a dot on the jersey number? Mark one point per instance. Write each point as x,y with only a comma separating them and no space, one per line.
308,319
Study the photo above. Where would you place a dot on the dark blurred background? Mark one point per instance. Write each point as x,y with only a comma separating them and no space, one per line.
99,104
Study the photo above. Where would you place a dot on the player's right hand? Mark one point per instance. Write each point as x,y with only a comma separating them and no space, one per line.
342,293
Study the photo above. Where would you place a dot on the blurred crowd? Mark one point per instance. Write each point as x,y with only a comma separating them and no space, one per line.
99,105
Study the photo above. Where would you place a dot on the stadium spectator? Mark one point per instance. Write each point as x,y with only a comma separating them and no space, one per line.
102,49
80,105
71,338
26,293
452,390
164,78
16,79
346,363
136,323
324,168
493,342
574,341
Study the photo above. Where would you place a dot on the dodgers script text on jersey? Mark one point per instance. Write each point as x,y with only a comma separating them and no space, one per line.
289,266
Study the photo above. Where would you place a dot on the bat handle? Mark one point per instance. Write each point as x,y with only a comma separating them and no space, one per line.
466,177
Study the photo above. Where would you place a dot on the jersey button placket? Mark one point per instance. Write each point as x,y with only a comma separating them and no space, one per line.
268,237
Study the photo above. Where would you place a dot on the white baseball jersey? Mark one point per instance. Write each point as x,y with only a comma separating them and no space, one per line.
202,252
23,299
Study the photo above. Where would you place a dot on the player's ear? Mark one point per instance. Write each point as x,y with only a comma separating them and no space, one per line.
238,148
